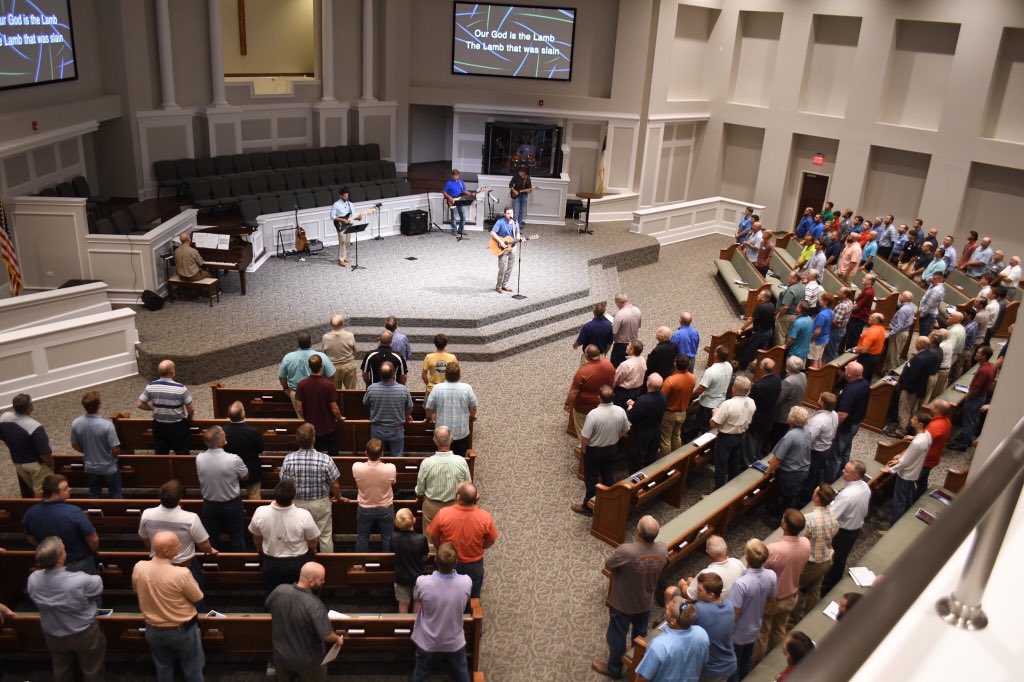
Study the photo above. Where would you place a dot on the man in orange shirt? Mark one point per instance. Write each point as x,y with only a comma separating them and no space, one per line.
871,345
470,529
584,392
939,427
678,389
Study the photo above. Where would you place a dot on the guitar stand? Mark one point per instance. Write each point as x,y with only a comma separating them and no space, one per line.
430,216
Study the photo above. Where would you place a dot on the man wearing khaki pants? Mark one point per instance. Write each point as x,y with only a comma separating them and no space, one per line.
439,477
316,483
340,346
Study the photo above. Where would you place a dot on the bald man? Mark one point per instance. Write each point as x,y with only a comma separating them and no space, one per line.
300,627
372,361
687,338
851,406
339,345
187,261
662,359
645,414
172,408
167,596
635,569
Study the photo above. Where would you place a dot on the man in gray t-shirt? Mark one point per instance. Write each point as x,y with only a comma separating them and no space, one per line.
604,426
300,626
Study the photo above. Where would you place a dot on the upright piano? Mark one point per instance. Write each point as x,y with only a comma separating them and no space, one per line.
236,258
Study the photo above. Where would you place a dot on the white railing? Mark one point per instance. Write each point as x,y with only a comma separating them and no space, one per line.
49,359
689,219
45,307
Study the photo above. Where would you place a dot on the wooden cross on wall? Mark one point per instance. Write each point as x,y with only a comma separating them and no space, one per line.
241,28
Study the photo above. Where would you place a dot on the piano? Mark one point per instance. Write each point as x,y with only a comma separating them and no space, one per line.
236,258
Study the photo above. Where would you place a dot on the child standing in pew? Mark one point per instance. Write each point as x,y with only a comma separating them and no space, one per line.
411,551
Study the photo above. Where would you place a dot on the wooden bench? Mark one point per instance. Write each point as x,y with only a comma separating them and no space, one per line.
824,379
970,287
732,267
884,390
663,479
208,285
152,471
273,403
895,276
278,434
736,343
225,571
122,516
377,637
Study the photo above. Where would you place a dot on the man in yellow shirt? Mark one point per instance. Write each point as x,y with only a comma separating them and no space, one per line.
434,364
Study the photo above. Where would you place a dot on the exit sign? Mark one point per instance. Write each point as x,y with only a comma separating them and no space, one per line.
818,159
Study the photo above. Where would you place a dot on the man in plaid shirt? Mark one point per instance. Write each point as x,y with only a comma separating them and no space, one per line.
453,404
316,483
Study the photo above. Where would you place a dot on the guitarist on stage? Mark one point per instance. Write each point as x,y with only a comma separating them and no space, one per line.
519,188
505,228
341,214
455,189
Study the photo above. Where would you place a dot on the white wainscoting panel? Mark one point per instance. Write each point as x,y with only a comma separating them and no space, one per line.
690,219
46,307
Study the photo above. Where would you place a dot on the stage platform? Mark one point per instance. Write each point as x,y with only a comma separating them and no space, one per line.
431,283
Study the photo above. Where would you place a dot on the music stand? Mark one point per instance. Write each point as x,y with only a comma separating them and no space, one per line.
355,228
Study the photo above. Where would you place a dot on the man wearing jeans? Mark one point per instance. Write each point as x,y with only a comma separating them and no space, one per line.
316,483
636,568
977,394
390,406
220,474
852,406
95,437
376,510
172,408
167,594
750,594
470,529
439,601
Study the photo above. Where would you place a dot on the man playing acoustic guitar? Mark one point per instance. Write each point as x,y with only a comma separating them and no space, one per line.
504,237
341,214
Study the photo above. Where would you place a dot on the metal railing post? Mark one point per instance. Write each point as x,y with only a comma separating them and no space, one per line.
962,608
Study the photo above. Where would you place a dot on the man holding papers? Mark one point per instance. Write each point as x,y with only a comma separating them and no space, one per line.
300,627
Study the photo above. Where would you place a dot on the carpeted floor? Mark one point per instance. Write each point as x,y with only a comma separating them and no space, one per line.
544,592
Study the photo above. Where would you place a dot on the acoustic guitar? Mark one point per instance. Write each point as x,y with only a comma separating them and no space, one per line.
509,242
301,243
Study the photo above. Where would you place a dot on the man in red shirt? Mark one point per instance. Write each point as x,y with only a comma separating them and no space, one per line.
316,399
977,394
470,529
939,427
861,310
584,392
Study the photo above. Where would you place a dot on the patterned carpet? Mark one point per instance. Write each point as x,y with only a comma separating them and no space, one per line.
544,591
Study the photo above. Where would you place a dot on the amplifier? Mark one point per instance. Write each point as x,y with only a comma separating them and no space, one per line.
413,222
315,246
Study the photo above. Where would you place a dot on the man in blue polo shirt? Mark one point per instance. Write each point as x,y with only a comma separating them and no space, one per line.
687,338
295,366
505,227
54,516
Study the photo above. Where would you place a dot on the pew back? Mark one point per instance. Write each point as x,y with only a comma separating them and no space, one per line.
274,403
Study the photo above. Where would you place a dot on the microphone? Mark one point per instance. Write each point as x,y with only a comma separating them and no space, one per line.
493,198
377,205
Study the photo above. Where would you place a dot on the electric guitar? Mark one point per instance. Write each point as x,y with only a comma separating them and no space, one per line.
338,225
460,201
509,242
516,192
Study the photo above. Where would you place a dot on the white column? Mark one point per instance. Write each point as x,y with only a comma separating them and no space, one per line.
163,39
216,54
327,50
368,52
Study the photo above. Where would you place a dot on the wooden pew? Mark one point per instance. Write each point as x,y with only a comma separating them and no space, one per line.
895,276
665,479
378,637
883,391
278,434
824,379
225,571
122,516
732,266
736,343
152,471
273,403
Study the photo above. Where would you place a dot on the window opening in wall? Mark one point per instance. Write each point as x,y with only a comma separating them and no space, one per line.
269,43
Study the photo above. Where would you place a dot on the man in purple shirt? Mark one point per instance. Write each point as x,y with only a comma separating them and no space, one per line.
439,600
749,595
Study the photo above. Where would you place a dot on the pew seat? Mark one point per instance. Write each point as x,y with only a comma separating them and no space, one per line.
742,280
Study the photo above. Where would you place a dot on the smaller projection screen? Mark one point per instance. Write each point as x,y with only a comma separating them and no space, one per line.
513,41
36,43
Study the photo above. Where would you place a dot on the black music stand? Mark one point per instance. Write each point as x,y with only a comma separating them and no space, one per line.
354,228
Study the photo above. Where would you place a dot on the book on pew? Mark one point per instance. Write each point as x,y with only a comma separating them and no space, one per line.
215,614
637,477
760,466
103,613
740,282
336,614
832,611
864,577
960,387
925,516
704,439
941,496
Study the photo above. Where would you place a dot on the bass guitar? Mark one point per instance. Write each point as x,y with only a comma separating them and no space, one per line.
468,197
339,225
508,242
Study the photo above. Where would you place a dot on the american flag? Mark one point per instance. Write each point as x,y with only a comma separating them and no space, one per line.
10,256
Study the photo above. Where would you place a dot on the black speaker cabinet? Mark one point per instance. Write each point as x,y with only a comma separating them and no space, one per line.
414,222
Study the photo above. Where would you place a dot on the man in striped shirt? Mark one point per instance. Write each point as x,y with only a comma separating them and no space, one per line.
453,404
172,408
390,406
316,483
439,476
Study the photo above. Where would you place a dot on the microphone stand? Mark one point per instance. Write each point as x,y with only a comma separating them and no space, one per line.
519,271
378,238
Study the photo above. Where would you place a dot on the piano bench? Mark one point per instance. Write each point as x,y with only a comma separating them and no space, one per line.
210,285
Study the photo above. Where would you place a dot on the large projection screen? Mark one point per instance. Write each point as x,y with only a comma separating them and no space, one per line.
513,41
36,43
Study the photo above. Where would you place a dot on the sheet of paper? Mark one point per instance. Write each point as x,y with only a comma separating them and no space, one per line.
204,240
703,439
332,654
335,614
832,610
864,577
